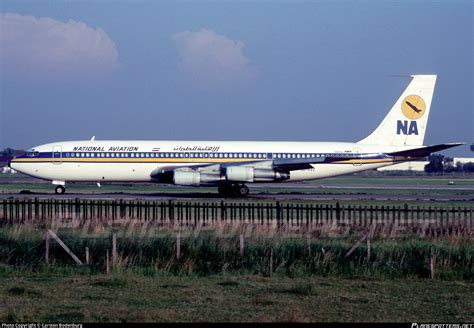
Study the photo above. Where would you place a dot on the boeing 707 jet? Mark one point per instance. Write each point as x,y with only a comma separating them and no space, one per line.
231,165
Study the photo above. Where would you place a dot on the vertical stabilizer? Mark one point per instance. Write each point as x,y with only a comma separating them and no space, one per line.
405,124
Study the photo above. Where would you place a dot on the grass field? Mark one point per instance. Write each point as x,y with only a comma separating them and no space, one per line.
54,297
148,249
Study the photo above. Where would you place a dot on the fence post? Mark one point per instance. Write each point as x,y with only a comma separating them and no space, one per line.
405,213
278,213
114,249
271,261
46,253
88,261
63,245
178,245
171,211
242,245
309,244
77,209
223,211
368,250
432,263
107,267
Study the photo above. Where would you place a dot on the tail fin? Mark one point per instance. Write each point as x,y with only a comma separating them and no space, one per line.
405,124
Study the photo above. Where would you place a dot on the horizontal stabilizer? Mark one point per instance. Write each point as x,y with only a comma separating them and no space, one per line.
424,151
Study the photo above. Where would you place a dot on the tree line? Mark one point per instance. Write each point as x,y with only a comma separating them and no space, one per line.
443,164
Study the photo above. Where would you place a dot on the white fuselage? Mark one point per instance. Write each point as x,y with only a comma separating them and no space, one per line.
134,161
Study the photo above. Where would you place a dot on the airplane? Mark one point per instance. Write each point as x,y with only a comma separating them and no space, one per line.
231,165
413,107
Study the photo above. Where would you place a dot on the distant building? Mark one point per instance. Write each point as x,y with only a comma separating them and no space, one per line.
418,166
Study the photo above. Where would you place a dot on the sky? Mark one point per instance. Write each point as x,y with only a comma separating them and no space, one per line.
229,70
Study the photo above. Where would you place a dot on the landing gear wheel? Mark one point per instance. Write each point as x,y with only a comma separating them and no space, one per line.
59,190
235,190
241,190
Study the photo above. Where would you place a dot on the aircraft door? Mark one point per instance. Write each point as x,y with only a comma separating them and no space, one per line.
57,155
357,152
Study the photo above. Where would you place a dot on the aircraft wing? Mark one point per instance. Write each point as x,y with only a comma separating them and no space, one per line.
292,164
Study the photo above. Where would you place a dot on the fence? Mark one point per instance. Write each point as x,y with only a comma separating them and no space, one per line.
195,213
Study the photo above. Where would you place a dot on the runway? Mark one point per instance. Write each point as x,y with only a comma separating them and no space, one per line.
336,189
355,193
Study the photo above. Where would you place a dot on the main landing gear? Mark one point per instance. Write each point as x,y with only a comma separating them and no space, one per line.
234,190
59,190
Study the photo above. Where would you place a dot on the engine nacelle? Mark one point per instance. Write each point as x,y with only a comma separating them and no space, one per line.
250,174
187,178
262,175
239,173
194,178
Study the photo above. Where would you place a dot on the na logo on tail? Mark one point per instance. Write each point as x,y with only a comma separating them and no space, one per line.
413,107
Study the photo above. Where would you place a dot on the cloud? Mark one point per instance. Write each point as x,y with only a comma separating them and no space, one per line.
210,57
46,48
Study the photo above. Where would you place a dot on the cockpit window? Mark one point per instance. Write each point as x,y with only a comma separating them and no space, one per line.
32,153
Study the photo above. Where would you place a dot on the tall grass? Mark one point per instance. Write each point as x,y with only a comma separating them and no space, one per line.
212,252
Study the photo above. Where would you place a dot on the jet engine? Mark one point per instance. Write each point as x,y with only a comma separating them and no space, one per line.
193,178
250,174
